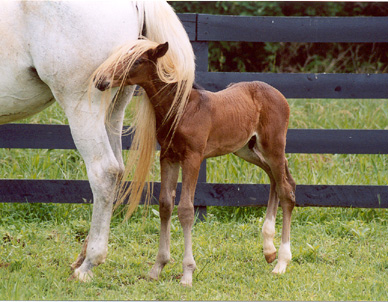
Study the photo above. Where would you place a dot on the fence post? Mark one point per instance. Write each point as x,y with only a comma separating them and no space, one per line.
201,211
201,54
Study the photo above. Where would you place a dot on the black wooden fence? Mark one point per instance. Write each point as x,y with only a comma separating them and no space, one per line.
204,28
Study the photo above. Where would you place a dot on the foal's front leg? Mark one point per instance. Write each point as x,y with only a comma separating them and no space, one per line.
169,175
190,171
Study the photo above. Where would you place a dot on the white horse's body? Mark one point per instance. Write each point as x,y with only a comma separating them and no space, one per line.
48,51
46,58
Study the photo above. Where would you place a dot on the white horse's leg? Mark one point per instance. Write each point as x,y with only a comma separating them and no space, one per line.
87,124
114,123
169,174
114,129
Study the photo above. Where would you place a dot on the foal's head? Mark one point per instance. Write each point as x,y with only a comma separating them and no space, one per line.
131,68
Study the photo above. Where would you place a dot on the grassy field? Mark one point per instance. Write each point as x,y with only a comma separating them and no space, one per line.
338,254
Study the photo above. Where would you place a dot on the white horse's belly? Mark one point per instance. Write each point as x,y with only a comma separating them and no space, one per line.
22,94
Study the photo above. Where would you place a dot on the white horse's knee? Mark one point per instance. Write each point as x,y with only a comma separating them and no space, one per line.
103,174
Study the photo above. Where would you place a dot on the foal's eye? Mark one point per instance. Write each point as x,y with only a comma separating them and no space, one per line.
137,62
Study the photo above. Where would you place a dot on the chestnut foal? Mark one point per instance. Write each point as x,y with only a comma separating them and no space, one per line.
249,119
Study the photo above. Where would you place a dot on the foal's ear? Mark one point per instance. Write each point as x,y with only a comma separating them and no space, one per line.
159,51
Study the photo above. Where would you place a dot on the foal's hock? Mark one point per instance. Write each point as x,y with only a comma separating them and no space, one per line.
249,119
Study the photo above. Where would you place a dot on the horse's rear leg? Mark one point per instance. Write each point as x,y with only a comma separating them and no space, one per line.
114,123
113,128
272,160
286,193
87,125
285,189
253,156
169,177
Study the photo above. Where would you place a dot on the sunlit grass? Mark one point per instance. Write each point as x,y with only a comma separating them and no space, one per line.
338,254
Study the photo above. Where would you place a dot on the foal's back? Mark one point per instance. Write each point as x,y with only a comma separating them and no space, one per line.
239,112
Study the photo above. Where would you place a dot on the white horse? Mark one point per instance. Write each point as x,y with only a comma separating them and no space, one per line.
48,52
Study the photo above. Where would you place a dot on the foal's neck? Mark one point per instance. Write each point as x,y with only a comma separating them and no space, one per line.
161,96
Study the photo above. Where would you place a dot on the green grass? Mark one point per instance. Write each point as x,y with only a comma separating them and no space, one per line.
338,254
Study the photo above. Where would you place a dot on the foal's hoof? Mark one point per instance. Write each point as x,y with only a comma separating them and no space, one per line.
270,258
81,276
186,283
280,268
153,276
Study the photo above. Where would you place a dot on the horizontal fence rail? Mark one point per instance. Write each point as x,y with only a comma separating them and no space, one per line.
317,141
292,29
207,194
302,85
202,29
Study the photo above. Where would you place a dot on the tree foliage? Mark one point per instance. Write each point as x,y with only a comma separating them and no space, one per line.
290,56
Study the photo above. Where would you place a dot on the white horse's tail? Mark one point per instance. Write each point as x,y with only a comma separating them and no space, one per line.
177,66
162,25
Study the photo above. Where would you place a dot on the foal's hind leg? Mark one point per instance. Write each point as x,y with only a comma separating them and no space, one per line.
285,189
268,230
273,161
169,174
286,192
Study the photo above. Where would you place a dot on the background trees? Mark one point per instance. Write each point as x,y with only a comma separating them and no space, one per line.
290,56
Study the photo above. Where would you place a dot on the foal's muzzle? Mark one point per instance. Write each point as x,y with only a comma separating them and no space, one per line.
102,84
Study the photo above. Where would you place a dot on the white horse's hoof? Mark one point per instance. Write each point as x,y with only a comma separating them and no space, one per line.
82,276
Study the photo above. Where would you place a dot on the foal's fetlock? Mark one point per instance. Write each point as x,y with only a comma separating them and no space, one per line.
155,271
157,268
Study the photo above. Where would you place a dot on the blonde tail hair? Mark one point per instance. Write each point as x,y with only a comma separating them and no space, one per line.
178,66
140,158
